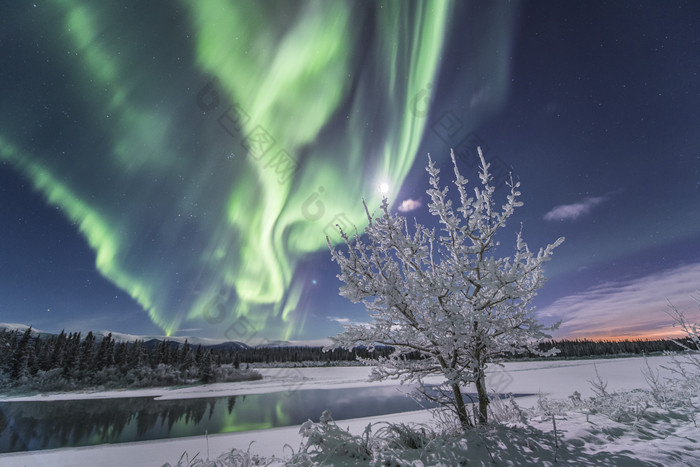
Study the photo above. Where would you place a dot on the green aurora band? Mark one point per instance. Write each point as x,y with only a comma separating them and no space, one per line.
192,225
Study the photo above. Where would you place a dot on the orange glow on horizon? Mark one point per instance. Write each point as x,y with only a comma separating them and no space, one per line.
666,333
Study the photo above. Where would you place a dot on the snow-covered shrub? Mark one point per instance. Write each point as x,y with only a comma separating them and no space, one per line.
686,363
229,373
381,444
682,391
623,407
661,390
240,458
325,440
547,407
506,410
233,458
141,376
51,380
403,436
165,374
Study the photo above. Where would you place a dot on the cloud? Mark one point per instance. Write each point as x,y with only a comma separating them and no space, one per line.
347,321
339,320
409,205
631,308
575,210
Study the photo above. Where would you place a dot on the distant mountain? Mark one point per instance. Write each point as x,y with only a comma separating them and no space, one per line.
149,341
275,344
17,326
22,328
152,343
301,343
230,345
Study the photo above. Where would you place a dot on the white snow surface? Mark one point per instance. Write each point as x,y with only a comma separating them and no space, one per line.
556,379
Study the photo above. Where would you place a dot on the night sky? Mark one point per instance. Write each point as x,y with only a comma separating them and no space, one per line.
173,168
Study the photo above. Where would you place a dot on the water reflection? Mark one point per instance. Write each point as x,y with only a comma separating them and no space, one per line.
28,426
52,424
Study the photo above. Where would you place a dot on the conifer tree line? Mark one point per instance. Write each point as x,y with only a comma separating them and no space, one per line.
582,348
70,361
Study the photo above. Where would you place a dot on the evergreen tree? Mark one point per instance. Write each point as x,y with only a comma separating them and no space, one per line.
59,350
105,353
183,353
162,354
46,354
198,355
20,358
121,356
139,356
206,372
87,355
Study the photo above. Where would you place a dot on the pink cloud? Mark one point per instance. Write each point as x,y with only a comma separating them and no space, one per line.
630,308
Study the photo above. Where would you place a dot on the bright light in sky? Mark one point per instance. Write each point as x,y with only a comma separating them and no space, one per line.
384,188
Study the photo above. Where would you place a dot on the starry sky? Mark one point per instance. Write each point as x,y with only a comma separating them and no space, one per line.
173,168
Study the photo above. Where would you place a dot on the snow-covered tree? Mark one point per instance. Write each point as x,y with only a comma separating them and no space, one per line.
686,363
443,293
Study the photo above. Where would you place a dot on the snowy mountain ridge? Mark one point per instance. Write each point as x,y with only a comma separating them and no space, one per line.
124,337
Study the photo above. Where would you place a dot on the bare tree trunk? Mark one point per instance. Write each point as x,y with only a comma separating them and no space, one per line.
483,397
461,408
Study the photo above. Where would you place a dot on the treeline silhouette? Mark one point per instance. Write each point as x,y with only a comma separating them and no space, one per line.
582,348
568,348
69,361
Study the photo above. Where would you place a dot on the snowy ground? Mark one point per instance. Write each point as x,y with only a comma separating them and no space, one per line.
598,439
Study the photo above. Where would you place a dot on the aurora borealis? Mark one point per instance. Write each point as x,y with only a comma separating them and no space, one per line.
238,209
198,153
